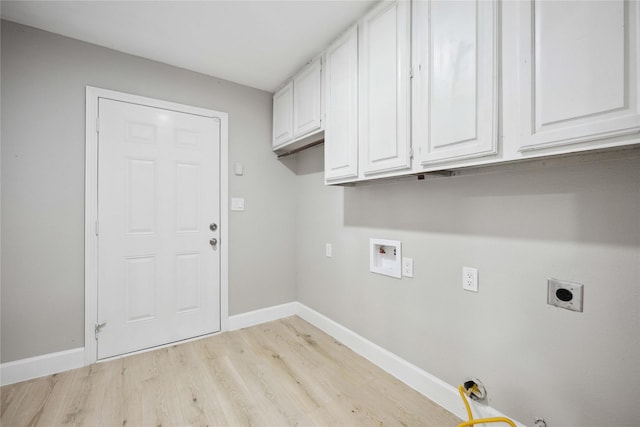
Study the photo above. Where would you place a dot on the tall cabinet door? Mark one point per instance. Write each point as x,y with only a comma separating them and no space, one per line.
307,102
283,115
341,91
455,82
578,71
384,88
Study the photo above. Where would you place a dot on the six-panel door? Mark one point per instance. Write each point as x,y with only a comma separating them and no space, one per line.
158,193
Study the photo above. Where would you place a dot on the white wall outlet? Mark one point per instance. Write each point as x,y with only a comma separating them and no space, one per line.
407,267
470,279
328,250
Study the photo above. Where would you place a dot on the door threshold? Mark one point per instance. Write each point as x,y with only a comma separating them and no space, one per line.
158,347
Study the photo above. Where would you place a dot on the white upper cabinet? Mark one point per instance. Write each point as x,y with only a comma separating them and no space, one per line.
455,80
384,88
578,72
429,85
297,109
307,99
341,92
283,115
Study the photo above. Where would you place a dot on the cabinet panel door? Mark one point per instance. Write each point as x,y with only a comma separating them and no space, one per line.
283,115
384,88
307,99
455,89
341,126
578,71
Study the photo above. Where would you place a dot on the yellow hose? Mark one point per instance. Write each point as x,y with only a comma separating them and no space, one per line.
466,404
487,420
473,422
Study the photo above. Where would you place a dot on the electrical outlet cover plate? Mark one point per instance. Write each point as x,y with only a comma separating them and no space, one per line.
407,267
563,294
470,279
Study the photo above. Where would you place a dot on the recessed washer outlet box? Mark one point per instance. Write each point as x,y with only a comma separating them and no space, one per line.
563,294
386,257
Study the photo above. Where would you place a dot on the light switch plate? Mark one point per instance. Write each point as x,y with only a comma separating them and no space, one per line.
237,204
239,169
329,250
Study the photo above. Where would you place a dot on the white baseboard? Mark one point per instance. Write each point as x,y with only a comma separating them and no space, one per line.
53,363
434,388
39,366
263,315
430,386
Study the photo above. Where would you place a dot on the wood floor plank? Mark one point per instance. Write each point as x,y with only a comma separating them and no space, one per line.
194,387
281,383
301,372
235,397
31,406
331,354
219,409
84,399
115,398
132,408
12,397
47,402
160,406
281,373
251,364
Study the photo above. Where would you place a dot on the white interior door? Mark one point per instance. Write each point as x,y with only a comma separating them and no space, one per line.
158,194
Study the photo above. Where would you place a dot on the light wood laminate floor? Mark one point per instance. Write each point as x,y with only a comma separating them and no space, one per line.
280,373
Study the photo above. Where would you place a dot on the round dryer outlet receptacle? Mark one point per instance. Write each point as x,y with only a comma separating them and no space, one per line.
540,422
475,389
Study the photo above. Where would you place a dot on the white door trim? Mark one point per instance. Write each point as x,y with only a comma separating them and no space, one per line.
91,205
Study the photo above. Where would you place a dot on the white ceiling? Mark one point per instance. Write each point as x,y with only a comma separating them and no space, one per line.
255,43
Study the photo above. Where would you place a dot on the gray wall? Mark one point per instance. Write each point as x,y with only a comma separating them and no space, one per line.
43,107
579,223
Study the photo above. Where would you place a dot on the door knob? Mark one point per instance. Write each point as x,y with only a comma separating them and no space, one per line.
213,226
213,241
